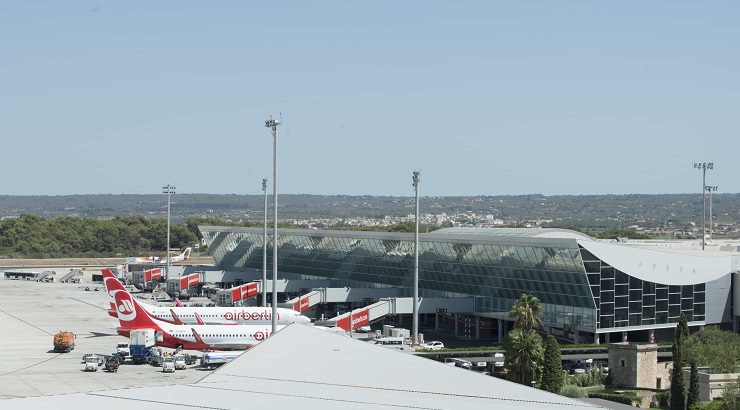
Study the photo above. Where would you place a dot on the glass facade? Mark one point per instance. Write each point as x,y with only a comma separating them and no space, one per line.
575,287
626,301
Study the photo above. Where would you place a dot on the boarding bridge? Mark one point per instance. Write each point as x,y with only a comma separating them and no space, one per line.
397,306
338,295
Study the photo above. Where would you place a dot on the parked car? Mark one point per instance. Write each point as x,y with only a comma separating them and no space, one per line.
434,345
364,329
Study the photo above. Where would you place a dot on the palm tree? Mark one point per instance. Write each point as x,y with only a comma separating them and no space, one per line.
527,310
524,353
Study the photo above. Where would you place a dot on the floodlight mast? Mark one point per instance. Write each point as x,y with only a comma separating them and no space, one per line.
711,220
703,166
415,327
273,125
169,190
264,247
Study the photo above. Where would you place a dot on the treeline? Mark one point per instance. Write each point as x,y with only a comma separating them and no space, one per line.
31,236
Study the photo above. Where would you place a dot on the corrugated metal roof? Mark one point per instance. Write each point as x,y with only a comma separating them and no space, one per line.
306,368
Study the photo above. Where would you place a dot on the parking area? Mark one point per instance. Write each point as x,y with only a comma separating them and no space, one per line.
32,312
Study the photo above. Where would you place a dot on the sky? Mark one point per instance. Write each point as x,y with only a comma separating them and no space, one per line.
482,97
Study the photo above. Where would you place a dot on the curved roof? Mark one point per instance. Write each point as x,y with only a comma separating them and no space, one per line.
514,232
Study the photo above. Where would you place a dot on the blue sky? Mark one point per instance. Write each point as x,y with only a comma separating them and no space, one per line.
484,97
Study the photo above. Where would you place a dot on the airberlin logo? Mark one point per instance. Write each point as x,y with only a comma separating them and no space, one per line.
125,307
262,335
246,315
304,304
362,318
193,281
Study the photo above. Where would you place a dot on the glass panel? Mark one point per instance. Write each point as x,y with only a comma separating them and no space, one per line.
648,288
620,302
635,307
608,309
648,300
661,293
636,295
699,309
687,291
699,297
661,305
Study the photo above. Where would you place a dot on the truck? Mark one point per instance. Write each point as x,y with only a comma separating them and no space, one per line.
64,342
141,341
216,359
123,349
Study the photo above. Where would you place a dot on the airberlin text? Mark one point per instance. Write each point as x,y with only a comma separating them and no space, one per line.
246,315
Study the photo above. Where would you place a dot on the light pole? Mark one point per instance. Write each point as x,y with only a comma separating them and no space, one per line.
169,190
415,326
711,221
703,166
264,247
273,125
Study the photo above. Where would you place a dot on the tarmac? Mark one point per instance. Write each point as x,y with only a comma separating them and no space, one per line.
32,312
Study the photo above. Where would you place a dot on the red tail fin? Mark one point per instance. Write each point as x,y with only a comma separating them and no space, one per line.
200,321
176,320
130,313
177,302
198,338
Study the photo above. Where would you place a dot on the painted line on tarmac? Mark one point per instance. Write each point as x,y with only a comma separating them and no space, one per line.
33,326
32,365
88,303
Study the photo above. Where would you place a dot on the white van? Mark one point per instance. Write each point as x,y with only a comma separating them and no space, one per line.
391,342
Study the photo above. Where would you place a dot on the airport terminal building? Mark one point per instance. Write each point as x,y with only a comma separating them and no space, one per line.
591,290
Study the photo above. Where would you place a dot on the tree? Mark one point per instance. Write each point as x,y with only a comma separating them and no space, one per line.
552,373
527,310
693,399
678,398
524,352
731,395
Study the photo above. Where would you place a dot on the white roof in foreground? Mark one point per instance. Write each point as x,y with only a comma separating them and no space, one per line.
306,368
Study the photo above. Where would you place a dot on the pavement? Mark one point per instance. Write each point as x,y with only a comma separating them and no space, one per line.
32,312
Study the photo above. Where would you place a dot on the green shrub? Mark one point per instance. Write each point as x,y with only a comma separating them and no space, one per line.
618,398
572,391
663,398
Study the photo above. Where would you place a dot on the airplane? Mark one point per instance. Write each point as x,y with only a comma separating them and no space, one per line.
132,316
207,315
156,259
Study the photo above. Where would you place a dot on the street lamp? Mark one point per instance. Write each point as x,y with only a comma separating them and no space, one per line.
264,247
711,221
273,125
703,166
415,326
169,190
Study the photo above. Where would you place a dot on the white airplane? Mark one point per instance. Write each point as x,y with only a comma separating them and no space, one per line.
132,316
156,259
207,315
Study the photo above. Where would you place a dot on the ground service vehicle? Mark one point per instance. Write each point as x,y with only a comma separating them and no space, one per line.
123,349
168,365
111,364
91,363
64,342
179,362
216,359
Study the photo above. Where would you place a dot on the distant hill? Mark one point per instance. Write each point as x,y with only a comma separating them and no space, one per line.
586,211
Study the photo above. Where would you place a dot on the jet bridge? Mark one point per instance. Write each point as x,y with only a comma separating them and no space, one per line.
396,306
338,295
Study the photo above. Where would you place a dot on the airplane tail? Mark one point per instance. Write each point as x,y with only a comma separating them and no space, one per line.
130,313
197,318
186,255
177,302
197,337
175,319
